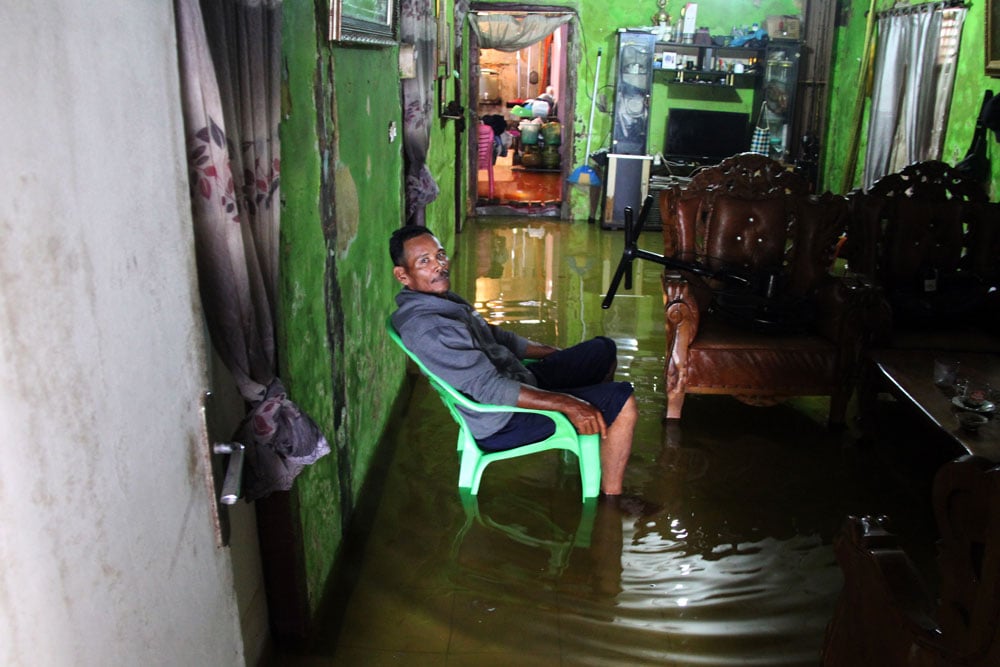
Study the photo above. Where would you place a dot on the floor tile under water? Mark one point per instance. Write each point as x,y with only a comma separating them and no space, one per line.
729,562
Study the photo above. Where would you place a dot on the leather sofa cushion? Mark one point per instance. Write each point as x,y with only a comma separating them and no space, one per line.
922,234
750,233
724,356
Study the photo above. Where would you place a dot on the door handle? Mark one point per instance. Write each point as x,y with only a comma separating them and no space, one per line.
232,485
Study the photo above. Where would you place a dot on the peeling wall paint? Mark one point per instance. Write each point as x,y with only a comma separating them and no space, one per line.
342,199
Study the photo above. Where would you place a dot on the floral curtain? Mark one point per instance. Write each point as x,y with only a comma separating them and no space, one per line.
230,61
418,26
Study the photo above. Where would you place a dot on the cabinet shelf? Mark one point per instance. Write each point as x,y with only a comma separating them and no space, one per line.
693,77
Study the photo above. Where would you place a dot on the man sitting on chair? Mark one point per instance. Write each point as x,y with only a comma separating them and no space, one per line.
484,362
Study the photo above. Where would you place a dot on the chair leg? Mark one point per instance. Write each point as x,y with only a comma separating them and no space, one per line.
590,466
675,404
471,469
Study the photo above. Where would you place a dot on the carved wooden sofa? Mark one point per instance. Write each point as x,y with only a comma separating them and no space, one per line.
929,238
887,616
791,328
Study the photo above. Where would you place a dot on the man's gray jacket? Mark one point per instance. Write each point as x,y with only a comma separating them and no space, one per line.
454,341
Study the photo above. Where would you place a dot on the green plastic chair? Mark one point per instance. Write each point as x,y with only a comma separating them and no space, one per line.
474,460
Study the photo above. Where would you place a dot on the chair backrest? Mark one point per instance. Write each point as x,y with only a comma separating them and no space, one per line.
485,146
451,396
926,216
749,212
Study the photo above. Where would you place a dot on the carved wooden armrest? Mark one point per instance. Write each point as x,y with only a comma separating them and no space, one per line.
682,315
868,537
885,614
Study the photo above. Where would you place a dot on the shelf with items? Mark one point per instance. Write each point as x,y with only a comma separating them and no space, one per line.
703,59
695,77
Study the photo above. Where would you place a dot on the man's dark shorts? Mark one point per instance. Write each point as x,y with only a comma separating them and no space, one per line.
579,371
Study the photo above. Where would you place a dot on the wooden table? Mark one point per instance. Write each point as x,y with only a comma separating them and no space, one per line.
908,374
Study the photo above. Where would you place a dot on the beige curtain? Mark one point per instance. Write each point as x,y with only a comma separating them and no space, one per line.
513,32
230,62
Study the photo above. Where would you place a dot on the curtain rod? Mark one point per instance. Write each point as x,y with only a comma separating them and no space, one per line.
521,12
902,10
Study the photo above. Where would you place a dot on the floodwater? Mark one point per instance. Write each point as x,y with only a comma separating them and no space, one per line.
727,559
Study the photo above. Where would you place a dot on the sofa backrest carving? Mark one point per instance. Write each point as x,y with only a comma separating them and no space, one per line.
750,213
926,223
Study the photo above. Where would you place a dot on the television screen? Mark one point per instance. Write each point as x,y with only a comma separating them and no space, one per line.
705,137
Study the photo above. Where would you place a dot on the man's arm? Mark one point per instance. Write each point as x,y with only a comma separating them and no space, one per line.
586,418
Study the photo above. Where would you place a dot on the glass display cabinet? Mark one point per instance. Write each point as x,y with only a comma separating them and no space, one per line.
781,75
633,87
625,185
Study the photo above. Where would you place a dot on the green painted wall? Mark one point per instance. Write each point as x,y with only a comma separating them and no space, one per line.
342,195
970,83
304,344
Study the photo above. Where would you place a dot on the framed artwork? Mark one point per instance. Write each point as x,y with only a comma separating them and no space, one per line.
993,38
363,21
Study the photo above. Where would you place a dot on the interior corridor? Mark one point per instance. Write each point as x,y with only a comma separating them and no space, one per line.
729,562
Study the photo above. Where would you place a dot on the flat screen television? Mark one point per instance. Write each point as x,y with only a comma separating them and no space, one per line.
705,137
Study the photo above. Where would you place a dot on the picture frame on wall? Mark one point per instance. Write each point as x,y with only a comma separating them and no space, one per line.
993,38
371,22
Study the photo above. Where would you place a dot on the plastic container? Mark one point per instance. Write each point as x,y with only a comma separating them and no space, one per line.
531,156
529,133
550,157
489,86
552,133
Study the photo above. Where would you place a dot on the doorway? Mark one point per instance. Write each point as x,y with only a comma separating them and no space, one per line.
523,92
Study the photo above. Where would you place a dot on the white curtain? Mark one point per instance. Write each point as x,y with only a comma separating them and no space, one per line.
511,32
913,79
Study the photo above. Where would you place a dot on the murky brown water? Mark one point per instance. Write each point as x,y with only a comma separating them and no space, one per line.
731,565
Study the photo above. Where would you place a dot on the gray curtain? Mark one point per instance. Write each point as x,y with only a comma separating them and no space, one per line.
230,67
511,32
419,27
914,76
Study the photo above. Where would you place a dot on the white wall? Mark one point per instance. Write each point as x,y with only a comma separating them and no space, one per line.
108,553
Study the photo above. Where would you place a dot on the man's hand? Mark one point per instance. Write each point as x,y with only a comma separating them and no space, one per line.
586,419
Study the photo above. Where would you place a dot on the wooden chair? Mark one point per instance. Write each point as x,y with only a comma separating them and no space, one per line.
791,328
930,239
887,616
587,448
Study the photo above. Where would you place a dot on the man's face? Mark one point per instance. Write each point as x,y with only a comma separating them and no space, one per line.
426,267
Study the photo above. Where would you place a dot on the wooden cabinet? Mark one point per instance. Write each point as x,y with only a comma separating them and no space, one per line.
760,82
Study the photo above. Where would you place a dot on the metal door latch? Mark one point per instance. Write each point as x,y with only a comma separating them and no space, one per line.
233,483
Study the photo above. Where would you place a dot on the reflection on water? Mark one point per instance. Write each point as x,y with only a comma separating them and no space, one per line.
726,560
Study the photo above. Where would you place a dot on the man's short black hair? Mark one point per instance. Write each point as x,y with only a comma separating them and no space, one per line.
400,237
